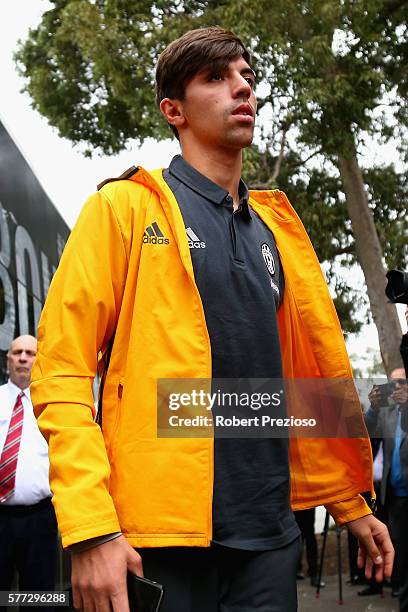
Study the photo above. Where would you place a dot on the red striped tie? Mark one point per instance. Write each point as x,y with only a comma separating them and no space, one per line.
9,455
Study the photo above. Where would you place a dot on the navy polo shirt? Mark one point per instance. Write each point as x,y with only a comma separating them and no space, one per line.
240,280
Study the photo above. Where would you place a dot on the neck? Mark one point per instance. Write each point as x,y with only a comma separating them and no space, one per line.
223,167
21,384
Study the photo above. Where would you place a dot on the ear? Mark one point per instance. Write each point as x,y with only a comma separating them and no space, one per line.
173,111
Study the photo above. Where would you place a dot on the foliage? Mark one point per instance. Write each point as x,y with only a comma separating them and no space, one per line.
328,65
388,196
317,195
333,72
371,365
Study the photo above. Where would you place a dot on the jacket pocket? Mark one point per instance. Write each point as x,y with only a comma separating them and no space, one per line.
111,409
118,415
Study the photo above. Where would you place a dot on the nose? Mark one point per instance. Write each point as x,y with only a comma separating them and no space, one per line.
241,87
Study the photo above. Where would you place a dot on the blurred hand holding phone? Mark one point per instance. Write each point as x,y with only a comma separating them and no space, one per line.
396,390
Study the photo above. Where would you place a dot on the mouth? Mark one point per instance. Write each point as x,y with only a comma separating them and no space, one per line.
244,112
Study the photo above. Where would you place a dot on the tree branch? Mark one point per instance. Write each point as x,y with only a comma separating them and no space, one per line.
279,159
261,103
348,250
302,162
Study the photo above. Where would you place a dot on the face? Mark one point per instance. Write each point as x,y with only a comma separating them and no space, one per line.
400,394
218,109
20,359
398,374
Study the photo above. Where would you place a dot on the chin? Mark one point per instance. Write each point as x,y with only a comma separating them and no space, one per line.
240,143
242,140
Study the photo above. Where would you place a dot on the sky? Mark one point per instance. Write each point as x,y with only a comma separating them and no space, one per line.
67,176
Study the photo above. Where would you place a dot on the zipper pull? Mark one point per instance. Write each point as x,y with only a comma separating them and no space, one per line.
120,390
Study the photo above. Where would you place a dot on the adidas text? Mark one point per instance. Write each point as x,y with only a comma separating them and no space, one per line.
154,235
155,240
196,245
193,240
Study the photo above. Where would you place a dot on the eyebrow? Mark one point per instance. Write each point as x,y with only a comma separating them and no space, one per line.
210,69
248,71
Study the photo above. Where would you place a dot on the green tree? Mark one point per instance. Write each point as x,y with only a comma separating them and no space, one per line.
320,202
334,73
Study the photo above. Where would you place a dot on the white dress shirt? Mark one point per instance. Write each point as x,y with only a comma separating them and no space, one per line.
378,464
32,482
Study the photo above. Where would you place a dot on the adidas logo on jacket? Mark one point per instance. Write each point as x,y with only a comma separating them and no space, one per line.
154,235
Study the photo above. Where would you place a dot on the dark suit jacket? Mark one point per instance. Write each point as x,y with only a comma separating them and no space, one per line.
404,351
381,423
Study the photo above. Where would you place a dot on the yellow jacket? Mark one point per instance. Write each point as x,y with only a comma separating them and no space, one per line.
158,491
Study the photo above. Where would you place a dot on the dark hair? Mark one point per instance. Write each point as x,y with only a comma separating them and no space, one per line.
192,53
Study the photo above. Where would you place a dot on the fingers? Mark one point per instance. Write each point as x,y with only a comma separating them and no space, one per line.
388,553
376,551
388,564
134,563
361,557
365,561
368,568
88,604
374,397
76,598
373,551
120,603
103,598
116,600
99,576
103,604
374,557
400,396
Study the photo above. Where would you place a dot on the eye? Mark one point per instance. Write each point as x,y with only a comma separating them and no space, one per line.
250,80
215,77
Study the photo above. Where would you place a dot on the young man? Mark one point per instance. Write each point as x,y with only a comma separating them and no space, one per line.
176,274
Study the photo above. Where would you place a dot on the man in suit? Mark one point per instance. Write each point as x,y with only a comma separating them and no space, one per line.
28,529
383,420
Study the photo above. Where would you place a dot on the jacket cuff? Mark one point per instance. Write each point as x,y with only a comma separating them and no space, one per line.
348,510
93,542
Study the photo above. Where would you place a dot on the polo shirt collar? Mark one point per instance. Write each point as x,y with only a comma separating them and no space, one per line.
205,187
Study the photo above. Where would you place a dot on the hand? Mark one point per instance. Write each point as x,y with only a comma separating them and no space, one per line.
99,576
375,547
400,395
375,397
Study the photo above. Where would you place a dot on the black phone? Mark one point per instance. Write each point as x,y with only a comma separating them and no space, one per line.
144,595
385,391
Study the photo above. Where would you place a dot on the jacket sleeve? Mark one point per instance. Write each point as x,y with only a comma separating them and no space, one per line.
349,510
78,319
404,419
